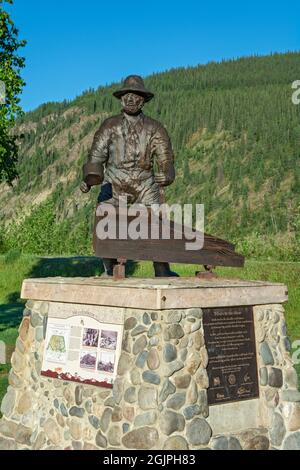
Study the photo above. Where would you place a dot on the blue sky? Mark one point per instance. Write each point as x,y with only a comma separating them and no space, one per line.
74,45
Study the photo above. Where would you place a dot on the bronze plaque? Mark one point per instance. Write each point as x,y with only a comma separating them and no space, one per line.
230,343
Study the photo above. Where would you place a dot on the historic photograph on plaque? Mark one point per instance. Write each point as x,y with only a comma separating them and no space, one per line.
232,364
82,345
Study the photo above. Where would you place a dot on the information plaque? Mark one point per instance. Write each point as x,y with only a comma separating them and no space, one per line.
83,343
232,366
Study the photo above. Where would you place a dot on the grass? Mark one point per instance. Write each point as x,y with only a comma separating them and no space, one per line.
13,269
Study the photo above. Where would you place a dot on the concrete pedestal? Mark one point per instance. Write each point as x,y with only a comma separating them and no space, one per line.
159,397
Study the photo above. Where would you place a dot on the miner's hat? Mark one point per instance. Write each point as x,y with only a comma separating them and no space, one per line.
134,84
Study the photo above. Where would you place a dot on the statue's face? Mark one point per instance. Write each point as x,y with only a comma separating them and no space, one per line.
132,103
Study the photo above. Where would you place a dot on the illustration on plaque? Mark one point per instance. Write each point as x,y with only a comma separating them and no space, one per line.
88,360
90,337
106,362
108,339
56,343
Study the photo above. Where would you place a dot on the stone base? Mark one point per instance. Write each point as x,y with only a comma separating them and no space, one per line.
159,398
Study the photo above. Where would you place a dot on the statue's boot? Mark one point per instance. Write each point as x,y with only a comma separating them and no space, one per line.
108,264
163,270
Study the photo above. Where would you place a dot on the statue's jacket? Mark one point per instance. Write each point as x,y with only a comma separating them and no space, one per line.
124,153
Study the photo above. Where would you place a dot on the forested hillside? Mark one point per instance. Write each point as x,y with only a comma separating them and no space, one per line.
236,136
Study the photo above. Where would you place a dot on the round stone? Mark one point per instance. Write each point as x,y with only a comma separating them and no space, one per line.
193,362
194,312
125,363
145,419
183,354
25,403
198,339
36,320
130,323
266,354
23,435
174,317
8,428
147,397
128,412
175,331
257,443
192,393
125,427
196,326
277,431
139,345
105,419
95,422
171,367
263,376
226,443
275,377
170,422
154,341
290,377
170,352
293,421
78,394
141,359
39,334
130,395
154,316
88,406
114,436
75,429
176,401
7,444
24,328
292,442
18,362
176,443
182,381
191,411
146,319
126,343
153,359
198,432
135,377
204,357
141,438
8,402
117,414
155,329
52,431
203,404
201,378
151,377
64,410
138,330
101,440
40,441
290,395
76,411
117,392
167,389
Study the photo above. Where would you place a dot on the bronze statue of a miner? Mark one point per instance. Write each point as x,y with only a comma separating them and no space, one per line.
123,154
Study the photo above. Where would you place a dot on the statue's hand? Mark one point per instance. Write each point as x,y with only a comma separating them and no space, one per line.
84,188
160,179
